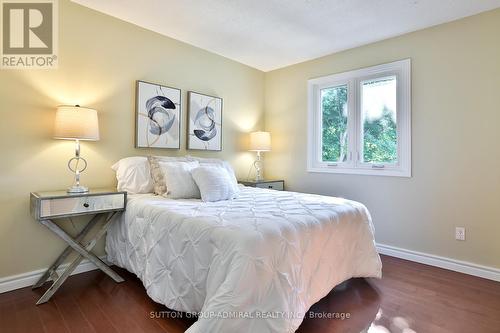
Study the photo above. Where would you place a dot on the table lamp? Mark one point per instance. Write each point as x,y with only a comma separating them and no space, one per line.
259,142
76,123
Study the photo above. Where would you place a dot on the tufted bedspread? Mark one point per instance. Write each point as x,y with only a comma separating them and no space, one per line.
253,264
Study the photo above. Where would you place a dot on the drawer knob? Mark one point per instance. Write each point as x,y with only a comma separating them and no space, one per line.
86,205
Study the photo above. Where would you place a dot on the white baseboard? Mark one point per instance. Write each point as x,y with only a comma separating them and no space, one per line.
28,279
486,272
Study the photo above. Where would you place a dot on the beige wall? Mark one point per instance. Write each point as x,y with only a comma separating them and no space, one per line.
456,154
99,60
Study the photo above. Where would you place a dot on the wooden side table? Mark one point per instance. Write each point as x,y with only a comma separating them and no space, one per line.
278,185
48,206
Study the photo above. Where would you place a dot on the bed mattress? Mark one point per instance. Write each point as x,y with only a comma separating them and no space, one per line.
253,264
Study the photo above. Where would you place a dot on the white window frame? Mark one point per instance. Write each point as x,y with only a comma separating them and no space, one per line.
353,79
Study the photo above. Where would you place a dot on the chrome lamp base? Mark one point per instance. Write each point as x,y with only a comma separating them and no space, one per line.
258,167
77,169
78,189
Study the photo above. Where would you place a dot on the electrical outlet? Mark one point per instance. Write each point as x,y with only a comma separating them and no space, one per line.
460,233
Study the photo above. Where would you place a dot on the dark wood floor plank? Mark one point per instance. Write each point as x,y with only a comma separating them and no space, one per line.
17,295
94,314
117,312
176,321
411,296
157,312
27,319
7,316
51,319
73,317
136,311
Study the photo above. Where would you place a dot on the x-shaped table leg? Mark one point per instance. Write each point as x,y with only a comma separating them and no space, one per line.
52,270
83,250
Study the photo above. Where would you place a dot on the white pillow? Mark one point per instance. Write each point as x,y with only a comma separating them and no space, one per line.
180,183
215,183
133,173
215,162
133,176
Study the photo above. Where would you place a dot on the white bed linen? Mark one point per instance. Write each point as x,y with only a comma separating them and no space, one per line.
266,253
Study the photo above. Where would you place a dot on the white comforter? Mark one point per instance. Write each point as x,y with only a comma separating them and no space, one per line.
253,264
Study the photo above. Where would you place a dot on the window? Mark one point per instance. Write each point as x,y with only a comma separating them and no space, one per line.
359,121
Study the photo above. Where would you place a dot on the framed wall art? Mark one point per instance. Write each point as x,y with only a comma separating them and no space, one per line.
204,122
158,116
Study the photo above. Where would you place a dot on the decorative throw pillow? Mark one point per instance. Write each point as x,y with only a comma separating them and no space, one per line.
133,175
215,183
179,181
215,162
159,185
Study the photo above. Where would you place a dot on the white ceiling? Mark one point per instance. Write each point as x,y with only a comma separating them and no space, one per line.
269,34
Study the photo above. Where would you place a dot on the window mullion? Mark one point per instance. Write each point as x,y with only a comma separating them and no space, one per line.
350,121
356,124
318,126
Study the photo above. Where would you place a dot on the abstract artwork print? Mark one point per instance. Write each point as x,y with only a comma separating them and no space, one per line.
205,122
158,116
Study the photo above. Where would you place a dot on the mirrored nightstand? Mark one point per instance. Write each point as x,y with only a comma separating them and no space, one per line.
278,185
102,204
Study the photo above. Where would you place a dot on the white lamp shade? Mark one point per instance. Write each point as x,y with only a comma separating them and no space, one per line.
260,141
76,123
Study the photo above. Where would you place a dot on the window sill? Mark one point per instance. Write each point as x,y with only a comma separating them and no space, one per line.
361,171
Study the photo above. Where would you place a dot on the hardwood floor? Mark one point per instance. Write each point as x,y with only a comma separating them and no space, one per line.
410,298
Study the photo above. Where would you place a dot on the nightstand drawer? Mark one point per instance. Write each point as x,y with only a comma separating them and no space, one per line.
80,205
271,185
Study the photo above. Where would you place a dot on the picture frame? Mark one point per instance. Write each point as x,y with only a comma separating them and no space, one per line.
204,130
158,116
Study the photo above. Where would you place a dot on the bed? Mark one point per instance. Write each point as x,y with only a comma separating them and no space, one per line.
253,264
